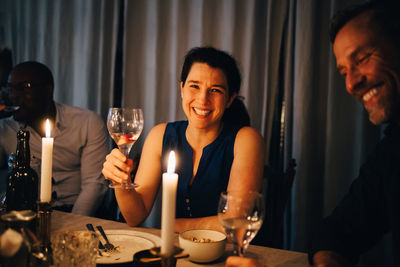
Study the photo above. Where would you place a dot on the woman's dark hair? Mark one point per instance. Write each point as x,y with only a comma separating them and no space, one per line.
385,15
218,59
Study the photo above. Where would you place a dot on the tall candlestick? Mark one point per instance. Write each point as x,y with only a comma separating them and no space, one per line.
169,184
46,166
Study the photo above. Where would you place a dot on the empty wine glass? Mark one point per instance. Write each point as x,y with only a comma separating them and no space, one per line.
125,126
241,214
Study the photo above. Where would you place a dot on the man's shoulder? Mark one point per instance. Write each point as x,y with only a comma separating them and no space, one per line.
71,110
69,114
9,123
79,120
390,140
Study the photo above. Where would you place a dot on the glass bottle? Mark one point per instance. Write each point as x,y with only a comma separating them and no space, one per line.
22,183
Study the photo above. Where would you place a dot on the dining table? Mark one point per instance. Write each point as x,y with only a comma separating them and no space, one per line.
61,221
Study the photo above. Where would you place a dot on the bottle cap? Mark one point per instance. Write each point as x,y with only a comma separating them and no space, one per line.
22,133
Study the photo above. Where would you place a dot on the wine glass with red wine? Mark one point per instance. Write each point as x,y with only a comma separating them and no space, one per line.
125,126
7,106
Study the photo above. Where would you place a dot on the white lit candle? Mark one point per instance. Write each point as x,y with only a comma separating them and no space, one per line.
47,164
169,184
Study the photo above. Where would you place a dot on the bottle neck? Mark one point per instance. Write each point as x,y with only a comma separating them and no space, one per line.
23,155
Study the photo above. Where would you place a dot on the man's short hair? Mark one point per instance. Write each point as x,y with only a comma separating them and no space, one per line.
386,16
38,72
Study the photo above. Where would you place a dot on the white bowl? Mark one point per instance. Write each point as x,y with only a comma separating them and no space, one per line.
203,251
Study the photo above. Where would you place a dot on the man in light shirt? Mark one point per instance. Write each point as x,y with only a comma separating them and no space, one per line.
80,139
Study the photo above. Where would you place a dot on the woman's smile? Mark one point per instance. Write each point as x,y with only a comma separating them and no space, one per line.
201,112
205,96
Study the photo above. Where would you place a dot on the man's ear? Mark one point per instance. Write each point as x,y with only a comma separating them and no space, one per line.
181,85
49,91
230,101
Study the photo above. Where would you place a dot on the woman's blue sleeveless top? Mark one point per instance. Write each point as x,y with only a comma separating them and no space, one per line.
201,198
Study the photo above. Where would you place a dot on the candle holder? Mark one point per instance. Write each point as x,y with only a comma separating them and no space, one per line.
43,230
153,257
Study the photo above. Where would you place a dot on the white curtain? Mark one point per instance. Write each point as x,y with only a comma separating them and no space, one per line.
158,33
75,39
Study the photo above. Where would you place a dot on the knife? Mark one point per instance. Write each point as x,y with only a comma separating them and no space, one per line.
91,228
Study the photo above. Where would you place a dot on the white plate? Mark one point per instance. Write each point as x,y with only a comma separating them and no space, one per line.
129,242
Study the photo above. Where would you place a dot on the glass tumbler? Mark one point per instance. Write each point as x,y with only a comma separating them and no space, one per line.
74,248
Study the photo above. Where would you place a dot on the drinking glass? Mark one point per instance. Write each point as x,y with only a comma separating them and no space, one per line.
7,107
125,126
74,248
241,214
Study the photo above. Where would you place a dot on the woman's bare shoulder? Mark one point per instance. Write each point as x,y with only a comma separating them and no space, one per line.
248,132
157,131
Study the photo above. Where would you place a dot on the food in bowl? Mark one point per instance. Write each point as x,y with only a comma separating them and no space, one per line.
202,240
203,245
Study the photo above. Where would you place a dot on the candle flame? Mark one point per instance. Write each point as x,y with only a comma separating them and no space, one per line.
171,162
47,128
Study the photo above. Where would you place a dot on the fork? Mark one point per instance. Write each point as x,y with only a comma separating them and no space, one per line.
107,245
90,227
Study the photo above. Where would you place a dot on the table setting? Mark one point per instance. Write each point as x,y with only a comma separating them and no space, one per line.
269,256
48,237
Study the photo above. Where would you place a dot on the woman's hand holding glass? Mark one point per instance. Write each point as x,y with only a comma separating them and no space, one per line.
117,167
125,126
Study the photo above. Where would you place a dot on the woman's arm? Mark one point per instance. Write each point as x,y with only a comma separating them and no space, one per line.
136,204
248,162
210,222
246,175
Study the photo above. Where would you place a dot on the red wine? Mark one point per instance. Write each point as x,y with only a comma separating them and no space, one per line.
125,141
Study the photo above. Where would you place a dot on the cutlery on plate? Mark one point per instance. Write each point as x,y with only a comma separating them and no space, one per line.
107,245
90,227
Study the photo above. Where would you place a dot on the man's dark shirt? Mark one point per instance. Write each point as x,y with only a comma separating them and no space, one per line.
370,208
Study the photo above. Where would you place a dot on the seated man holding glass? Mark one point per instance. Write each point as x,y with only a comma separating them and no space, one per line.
80,139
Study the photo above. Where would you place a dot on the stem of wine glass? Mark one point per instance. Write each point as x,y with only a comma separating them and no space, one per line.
238,250
125,150
128,183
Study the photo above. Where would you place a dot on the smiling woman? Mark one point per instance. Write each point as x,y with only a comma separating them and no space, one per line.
214,154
